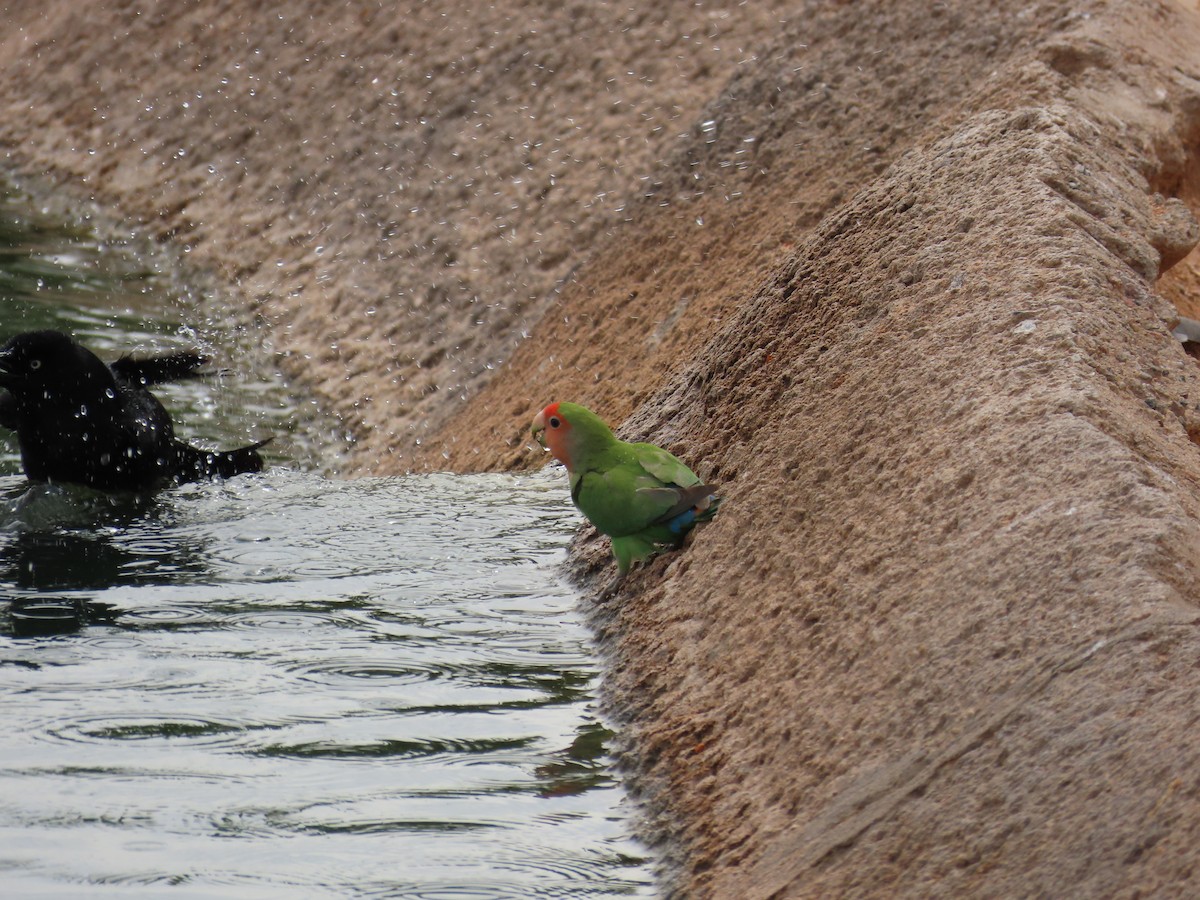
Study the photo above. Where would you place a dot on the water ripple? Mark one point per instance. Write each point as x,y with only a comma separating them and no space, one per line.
166,617
359,668
397,749
285,620
192,730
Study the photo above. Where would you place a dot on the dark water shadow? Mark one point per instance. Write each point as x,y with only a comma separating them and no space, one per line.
60,546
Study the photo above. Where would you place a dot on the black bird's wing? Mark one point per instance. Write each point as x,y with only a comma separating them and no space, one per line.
159,369
192,464
148,425
131,441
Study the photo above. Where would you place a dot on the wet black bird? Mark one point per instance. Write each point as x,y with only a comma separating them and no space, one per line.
82,421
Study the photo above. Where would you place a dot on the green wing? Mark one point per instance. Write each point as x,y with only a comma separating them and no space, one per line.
663,466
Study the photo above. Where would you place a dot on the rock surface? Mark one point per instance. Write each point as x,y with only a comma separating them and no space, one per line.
901,276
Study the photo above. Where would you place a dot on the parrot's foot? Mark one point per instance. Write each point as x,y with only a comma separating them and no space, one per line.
633,548
610,590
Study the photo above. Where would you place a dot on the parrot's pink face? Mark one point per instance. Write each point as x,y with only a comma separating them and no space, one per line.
552,432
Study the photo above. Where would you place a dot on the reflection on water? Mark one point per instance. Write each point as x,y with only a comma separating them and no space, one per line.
286,685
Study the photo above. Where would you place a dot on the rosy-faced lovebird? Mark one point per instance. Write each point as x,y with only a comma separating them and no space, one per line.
638,494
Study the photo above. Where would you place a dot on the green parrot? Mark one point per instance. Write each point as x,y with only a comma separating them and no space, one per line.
638,494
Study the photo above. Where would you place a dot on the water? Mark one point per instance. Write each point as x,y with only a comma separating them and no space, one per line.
287,685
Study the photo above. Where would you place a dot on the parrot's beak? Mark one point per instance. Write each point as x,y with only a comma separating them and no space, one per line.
539,429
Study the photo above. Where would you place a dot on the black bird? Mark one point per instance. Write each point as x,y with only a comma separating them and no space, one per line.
79,420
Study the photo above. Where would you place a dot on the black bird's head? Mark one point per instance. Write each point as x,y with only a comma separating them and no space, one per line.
47,364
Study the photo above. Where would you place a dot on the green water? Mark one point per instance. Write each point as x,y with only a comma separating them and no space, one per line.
286,685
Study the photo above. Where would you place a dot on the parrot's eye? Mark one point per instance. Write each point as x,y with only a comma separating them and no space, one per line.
35,364
554,423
